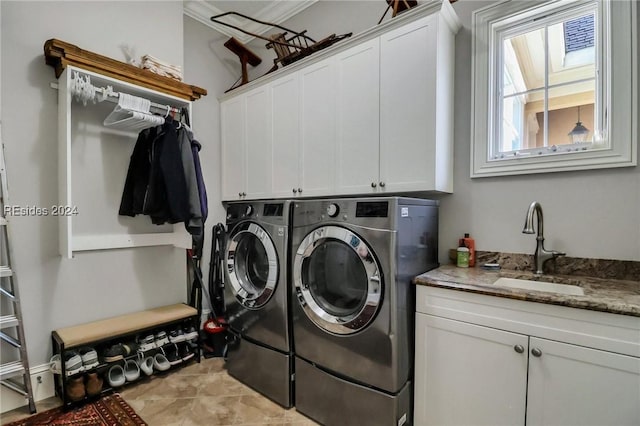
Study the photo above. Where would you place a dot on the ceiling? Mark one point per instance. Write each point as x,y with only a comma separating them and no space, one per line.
275,11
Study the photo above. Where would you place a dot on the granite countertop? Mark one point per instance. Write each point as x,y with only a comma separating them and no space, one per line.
600,294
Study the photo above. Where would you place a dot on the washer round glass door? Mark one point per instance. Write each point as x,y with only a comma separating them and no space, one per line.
252,265
337,280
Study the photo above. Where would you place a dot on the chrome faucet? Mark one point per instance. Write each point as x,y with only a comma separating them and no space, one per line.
541,255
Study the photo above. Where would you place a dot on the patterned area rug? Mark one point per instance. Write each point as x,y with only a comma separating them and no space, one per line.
110,410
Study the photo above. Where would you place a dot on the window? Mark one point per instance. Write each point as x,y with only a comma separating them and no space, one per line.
547,96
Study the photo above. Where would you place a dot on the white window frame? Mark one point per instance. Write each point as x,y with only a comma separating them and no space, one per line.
618,94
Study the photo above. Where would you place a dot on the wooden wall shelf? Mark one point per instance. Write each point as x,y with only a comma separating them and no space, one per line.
59,54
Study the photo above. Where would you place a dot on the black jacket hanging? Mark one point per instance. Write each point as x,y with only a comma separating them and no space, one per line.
155,183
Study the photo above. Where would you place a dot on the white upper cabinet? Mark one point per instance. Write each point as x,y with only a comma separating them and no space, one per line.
318,128
358,110
258,143
233,148
416,108
286,136
370,115
246,145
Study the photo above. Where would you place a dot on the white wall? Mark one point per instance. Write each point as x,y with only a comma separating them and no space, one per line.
587,214
322,19
203,66
58,292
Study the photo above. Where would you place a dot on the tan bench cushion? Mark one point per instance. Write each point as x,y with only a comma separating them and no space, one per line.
123,324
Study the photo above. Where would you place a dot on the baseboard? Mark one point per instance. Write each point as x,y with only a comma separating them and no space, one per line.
42,382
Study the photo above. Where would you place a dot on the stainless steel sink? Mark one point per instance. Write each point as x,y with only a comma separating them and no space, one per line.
540,286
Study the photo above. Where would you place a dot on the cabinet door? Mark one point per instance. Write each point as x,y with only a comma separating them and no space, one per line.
286,136
258,143
573,385
358,108
468,375
318,128
233,148
408,107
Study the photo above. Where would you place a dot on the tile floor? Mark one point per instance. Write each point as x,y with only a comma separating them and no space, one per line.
198,394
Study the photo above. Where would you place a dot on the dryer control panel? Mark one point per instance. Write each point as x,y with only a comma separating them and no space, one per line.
273,209
372,209
239,211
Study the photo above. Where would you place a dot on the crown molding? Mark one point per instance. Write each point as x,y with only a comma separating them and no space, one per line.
276,12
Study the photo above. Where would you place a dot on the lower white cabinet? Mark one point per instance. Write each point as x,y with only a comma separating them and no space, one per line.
573,385
468,374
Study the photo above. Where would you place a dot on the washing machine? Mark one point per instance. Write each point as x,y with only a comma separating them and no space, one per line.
353,305
257,296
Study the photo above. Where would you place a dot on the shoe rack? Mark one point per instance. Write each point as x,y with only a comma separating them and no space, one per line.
80,387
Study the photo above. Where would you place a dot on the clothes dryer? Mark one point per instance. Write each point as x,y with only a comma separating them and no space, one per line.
353,305
257,295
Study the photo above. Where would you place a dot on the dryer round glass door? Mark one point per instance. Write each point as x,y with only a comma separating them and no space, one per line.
337,280
252,265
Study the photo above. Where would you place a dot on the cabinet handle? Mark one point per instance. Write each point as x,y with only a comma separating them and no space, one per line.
239,194
373,184
295,190
518,348
536,352
300,190
244,194
382,184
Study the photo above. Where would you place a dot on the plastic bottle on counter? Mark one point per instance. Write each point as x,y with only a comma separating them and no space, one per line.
469,243
462,258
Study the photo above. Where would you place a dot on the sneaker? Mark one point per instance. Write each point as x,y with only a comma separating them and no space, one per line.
160,362
186,353
93,384
54,364
114,353
115,376
161,339
130,348
146,364
75,389
147,343
172,354
89,358
176,336
131,370
191,334
72,363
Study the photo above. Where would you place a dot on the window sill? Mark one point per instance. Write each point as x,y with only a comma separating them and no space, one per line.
554,162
